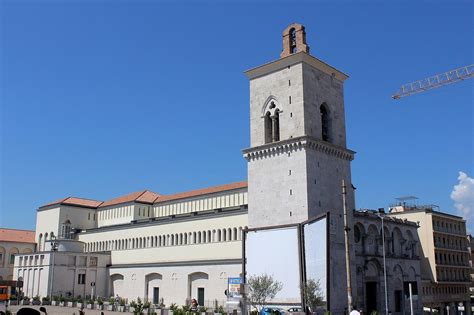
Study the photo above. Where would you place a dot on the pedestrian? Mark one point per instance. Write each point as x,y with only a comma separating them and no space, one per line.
194,305
354,310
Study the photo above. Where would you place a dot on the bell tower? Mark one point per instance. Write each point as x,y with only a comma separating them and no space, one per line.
298,156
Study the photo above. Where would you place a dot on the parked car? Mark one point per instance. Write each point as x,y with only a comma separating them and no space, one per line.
272,311
295,310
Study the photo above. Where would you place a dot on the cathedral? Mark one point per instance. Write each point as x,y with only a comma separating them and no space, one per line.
171,248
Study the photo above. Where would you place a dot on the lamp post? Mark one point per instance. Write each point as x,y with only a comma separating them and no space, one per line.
384,264
54,248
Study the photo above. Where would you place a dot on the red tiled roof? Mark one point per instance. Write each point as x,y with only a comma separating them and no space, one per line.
203,191
18,236
144,196
74,201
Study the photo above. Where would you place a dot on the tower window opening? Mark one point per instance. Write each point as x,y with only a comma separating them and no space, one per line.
325,123
268,128
272,124
293,48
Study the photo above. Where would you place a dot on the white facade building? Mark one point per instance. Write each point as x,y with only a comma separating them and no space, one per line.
160,248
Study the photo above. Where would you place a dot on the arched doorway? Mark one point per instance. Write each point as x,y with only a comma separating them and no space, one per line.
152,287
197,285
116,284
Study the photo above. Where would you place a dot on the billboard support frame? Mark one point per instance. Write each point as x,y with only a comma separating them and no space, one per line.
301,254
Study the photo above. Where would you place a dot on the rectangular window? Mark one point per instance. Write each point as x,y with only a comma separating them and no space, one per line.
201,296
81,278
12,259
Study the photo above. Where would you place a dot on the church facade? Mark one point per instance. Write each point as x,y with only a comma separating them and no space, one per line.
171,248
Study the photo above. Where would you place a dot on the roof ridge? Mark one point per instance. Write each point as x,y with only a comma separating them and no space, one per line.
85,198
141,194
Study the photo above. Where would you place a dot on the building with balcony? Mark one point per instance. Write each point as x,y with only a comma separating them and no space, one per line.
445,269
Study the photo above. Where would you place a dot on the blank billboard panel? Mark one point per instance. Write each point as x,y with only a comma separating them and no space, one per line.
275,252
316,254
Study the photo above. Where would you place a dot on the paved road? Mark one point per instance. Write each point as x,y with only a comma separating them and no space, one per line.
57,310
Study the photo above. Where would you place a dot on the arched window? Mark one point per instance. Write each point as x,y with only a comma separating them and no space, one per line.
293,41
268,128
325,123
66,230
40,242
272,123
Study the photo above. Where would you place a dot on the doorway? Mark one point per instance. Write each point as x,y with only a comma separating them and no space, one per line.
370,297
398,301
156,295
201,296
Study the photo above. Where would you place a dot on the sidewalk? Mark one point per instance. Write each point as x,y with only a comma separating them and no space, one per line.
59,310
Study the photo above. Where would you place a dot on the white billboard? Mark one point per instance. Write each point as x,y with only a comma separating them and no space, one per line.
294,255
275,252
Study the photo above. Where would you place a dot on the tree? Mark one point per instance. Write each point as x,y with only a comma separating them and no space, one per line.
313,294
261,288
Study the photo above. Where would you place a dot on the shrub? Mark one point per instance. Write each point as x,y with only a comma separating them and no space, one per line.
45,299
36,298
122,302
202,309
111,300
137,307
173,307
13,297
100,301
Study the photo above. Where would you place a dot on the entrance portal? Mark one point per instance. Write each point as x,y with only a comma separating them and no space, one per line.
370,297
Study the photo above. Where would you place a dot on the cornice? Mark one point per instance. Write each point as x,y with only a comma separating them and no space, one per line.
297,144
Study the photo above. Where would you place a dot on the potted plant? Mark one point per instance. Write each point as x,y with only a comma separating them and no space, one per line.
13,300
61,300
202,310
71,301
25,300
121,307
36,300
146,307
89,303
79,301
137,307
100,304
46,301
173,309
54,300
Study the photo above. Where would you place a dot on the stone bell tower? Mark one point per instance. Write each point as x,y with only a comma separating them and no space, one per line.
298,156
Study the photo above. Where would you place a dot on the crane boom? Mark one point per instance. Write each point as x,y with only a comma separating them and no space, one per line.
435,81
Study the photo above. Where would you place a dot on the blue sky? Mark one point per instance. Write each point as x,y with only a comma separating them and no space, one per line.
103,98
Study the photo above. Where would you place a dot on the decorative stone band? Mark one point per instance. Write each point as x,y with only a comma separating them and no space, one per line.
296,144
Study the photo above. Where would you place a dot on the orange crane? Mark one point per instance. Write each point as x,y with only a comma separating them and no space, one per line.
435,81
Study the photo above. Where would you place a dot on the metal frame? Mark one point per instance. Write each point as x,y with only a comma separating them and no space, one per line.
438,80
301,253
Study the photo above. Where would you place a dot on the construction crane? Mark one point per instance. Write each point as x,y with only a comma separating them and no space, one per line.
435,81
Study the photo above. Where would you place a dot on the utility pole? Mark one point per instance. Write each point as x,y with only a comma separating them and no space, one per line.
346,239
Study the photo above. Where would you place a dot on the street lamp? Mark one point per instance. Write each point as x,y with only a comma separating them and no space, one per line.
54,248
384,265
